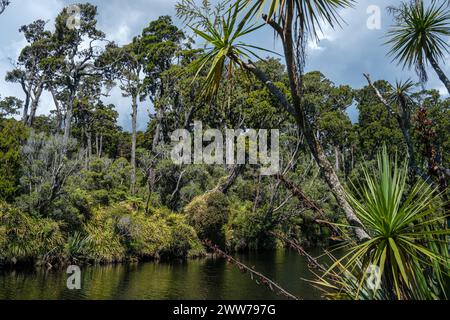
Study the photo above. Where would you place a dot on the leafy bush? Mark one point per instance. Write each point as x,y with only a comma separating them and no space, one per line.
24,238
124,232
12,134
246,229
183,238
208,214
105,245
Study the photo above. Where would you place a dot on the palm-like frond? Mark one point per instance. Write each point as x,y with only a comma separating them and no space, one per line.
408,244
419,33
224,33
400,95
309,14
226,51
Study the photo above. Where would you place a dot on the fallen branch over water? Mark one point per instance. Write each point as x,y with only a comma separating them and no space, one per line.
260,278
312,262
309,203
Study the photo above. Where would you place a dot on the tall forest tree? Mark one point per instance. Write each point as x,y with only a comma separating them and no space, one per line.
32,71
78,48
139,66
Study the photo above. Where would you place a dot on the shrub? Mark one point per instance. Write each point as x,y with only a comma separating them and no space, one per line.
24,238
123,232
208,214
246,229
183,239
104,242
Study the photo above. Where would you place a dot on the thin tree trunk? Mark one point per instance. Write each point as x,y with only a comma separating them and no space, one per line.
34,106
158,129
68,124
353,159
25,109
133,144
96,144
59,117
335,185
439,72
101,146
298,113
403,123
89,144
336,155
229,182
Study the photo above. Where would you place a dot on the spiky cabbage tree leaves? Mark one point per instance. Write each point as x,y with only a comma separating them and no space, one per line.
228,52
3,5
420,35
408,246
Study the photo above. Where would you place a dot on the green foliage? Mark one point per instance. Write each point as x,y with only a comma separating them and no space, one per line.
104,244
72,200
208,214
408,237
28,239
375,126
9,107
247,229
12,136
76,249
122,232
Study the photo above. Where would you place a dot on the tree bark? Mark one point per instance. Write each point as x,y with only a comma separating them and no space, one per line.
25,109
403,123
231,179
133,144
59,116
68,123
335,185
439,72
158,129
336,155
34,105
89,143
101,146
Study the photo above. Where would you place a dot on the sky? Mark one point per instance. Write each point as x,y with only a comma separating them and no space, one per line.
342,55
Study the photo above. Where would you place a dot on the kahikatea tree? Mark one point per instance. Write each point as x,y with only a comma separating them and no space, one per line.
163,42
74,61
139,66
32,71
127,67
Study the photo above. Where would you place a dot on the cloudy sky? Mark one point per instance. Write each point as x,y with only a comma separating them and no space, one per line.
342,55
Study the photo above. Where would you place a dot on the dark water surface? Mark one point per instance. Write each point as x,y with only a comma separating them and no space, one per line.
194,279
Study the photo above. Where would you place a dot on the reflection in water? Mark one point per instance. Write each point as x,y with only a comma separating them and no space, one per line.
179,280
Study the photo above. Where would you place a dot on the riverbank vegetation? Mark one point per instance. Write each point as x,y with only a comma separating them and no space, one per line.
77,188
